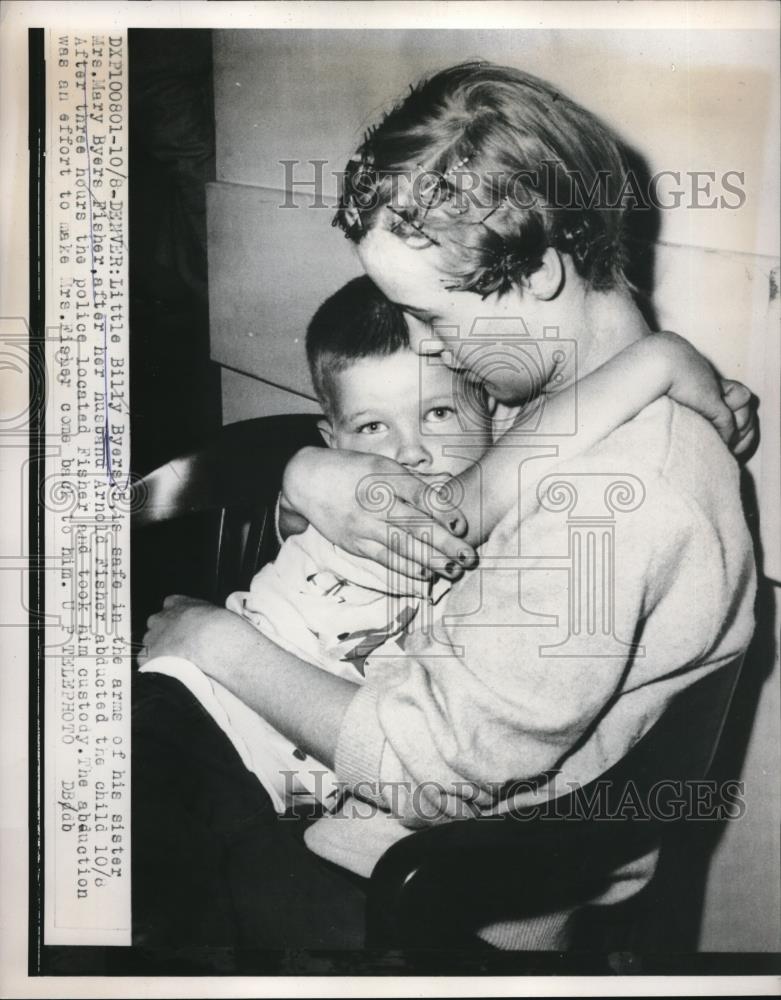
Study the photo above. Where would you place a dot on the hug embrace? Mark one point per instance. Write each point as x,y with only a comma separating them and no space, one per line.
429,645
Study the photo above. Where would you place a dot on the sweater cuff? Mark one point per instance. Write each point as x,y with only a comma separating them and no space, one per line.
359,747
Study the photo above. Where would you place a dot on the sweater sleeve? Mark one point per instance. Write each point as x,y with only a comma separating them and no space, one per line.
530,650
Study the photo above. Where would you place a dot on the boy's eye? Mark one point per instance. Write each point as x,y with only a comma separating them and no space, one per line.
437,413
373,427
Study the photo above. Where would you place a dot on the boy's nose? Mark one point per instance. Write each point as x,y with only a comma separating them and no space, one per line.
413,454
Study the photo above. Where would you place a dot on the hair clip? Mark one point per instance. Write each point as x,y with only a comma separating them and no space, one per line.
427,186
360,166
367,159
503,201
501,274
449,182
369,134
413,225
352,215
431,185
458,165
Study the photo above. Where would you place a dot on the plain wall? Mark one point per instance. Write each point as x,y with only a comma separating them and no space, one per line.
684,102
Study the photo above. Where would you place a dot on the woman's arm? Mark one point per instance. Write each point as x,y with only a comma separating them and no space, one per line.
303,702
657,365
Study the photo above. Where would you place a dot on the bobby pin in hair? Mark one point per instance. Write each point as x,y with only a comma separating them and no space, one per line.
503,201
414,225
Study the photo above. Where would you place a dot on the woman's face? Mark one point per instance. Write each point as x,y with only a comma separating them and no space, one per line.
490,339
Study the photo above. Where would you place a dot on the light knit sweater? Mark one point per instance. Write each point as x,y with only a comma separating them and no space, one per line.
513,683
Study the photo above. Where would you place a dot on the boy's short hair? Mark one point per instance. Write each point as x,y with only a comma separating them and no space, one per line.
356,322
493,165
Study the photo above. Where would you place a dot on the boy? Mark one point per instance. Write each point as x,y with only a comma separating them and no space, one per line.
315,600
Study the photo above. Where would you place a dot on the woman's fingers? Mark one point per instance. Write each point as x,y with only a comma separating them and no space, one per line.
422,512
405,553
437,499
441,551
419,551
410,557
359,498
398,557
158,619
441,547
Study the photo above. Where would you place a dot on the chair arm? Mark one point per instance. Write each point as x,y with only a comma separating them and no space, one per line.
430,888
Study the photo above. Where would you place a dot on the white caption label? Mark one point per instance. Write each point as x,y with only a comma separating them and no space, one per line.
85,495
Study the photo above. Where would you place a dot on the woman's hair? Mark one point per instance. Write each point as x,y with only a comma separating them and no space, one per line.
493,166
356,322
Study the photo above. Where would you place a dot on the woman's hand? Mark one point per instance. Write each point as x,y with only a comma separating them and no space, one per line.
374,508
264,676
211,637
693,382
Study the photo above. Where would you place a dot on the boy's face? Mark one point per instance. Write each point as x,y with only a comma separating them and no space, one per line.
409,409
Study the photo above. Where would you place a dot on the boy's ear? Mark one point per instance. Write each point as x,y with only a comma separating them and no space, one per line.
326,431
545,283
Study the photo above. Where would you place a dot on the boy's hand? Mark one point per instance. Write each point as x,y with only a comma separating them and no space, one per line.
743,404
357,501
693,382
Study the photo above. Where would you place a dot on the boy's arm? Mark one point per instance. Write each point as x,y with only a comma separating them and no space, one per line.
656,365
287,520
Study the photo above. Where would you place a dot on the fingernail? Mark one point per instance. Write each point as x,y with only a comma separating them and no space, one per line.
453,525
464,557
451,567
